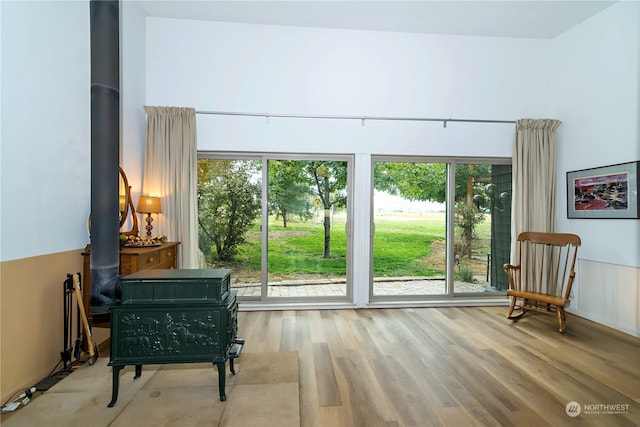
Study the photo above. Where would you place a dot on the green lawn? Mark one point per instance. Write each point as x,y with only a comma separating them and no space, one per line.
299,249
401,247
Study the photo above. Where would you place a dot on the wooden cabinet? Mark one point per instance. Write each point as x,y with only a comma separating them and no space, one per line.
131,261
137,259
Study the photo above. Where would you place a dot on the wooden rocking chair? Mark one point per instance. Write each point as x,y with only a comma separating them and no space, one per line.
542,279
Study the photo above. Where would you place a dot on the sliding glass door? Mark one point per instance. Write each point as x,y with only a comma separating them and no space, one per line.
440,229
280,223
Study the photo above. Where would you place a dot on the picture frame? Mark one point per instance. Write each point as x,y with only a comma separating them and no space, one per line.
604,192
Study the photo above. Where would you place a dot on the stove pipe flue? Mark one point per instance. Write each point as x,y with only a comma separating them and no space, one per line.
105,152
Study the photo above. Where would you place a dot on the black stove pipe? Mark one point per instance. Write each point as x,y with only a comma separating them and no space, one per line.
105,153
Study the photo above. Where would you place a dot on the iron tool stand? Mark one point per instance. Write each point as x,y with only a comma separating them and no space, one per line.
68,327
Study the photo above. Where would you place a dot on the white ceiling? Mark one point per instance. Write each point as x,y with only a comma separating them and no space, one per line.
529,19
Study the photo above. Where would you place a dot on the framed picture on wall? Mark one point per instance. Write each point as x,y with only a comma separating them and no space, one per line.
604,192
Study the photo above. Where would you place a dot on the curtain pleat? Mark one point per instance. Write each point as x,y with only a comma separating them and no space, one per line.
534,177
170,172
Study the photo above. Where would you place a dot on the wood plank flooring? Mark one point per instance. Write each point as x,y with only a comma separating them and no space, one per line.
463,366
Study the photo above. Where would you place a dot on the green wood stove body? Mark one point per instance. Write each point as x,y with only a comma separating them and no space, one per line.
174,316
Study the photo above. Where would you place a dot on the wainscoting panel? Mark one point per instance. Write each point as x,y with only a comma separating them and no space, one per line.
608,294
32,317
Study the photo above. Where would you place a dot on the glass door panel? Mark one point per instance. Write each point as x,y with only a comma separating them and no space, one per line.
307,239
229,215
409,244
482,227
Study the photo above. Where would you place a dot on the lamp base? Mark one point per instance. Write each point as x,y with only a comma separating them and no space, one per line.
149,227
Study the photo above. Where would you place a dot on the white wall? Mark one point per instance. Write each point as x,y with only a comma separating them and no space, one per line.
132,94
258,68
46,122
324,71
45,127
596,94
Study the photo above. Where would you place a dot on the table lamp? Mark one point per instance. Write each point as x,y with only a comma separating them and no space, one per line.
149,205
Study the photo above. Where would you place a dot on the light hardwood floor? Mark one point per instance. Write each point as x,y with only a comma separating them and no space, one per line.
462,366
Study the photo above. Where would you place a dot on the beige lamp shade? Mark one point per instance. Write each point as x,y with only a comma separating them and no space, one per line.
148,204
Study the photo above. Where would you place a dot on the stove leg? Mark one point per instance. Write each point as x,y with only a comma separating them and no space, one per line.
221,380
233,370
114,390
138,372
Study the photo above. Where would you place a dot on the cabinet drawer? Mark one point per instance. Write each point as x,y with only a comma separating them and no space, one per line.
128,265
148,260
168,256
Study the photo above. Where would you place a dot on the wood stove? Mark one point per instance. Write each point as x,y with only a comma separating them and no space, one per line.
175,316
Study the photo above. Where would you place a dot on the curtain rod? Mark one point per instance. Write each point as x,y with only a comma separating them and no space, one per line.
361,118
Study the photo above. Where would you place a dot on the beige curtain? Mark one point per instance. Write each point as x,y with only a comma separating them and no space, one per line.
534,177
170,172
